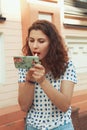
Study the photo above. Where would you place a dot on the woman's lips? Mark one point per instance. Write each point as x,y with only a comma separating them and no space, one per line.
36,53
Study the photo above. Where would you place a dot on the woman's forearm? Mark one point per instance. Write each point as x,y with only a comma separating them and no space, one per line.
25,95
58,98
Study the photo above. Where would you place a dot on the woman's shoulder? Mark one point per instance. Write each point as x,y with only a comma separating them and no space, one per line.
70,63
70,73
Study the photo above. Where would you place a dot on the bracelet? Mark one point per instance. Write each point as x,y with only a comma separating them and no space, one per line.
32,82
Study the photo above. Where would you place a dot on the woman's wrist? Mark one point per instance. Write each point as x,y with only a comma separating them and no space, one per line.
42,81
31,82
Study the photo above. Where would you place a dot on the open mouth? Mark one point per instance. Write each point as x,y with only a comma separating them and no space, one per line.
36,53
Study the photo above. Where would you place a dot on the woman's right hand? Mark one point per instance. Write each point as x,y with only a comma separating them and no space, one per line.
29,75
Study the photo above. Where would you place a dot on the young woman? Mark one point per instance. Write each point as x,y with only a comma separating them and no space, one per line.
45,90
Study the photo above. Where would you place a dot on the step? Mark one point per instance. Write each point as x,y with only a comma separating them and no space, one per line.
80,100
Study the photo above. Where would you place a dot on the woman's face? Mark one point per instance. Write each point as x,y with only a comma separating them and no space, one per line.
38,43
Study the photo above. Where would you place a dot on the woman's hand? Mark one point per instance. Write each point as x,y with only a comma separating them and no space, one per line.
29,75
37,73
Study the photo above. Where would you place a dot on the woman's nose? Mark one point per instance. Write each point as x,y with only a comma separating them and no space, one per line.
35,44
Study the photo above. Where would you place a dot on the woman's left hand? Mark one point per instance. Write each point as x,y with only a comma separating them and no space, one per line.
38,73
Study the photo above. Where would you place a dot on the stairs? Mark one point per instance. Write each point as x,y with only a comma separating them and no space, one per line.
80,100
11,118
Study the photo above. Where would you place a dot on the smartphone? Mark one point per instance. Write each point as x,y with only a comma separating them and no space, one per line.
25,62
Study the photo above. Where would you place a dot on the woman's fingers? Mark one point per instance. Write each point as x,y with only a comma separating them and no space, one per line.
37,73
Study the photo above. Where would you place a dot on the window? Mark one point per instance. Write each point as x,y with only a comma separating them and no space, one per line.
75,13
2,60
45,16
77,45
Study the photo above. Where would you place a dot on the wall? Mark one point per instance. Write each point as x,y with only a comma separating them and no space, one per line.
12,40
13,31
76,40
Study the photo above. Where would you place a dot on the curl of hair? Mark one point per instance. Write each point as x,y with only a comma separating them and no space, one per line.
57,56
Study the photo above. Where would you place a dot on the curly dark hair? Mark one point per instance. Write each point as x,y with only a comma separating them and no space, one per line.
57,56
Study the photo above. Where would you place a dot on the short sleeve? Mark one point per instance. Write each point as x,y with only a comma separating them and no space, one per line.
70,73
22,75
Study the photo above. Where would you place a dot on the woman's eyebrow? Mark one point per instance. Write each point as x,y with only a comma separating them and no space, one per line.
31,38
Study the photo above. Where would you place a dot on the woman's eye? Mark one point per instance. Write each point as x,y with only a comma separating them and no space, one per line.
41,41
31,40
